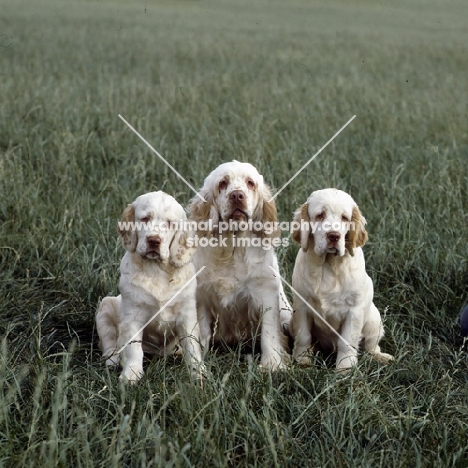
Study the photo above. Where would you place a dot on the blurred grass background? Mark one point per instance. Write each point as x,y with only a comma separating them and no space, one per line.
206,82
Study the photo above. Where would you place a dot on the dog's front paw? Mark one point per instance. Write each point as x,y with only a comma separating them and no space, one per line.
113,360
304,360
383,358
273,363
345,363
343,370
199,371
131,375
303,355
199,374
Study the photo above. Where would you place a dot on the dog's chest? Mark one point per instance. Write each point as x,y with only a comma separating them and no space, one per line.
229,281
153,301
335,293
160,331
156,290
232,278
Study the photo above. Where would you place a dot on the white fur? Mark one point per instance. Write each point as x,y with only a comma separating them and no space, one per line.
331,277
238,295
150,277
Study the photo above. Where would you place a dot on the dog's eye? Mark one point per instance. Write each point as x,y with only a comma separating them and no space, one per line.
222,185
345,219
250,184
145,219
320,217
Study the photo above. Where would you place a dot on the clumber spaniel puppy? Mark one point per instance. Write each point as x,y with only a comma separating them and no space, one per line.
238,295
330,275
155,268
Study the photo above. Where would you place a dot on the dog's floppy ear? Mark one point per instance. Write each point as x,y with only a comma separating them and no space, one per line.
267,213
357,234
204,213
181,249
126,229
301,227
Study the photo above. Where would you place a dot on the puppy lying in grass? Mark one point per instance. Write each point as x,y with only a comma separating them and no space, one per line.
330,275
157,280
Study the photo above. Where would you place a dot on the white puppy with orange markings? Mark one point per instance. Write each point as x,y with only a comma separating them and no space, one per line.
330,275
156,281
238,295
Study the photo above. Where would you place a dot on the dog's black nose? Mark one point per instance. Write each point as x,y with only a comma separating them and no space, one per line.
333,237
237,196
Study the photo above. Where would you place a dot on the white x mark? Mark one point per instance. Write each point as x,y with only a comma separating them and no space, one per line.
161,309
157,154
313,310
313,157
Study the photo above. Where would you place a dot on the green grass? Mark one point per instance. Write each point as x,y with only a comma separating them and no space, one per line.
206,82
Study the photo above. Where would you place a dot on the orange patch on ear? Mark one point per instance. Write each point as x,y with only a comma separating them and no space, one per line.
356,237
203,212
269,213
181,252
128,233
299,235
301,214
200,210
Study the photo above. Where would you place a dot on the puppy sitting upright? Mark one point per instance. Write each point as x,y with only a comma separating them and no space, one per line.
330,275
156,268
238,294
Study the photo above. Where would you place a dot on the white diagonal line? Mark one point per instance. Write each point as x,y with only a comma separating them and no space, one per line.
157,154
313,310
161,309
312,158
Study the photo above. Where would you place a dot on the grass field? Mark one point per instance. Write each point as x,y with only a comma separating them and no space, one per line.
207,82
